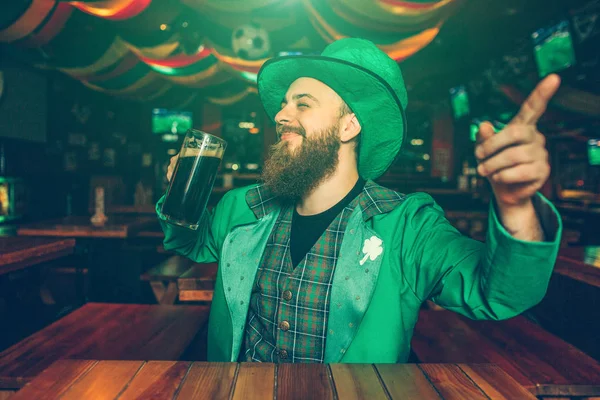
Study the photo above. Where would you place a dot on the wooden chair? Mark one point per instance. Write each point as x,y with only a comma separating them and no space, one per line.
163,278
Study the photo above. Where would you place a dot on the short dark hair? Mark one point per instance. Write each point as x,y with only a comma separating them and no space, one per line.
344,109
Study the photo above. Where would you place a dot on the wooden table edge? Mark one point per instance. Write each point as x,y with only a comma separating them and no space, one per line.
10,383
62,244
126,231
574,269
576,390
539,389
72,234
49,252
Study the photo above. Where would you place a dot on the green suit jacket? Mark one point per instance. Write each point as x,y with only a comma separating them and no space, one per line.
374,306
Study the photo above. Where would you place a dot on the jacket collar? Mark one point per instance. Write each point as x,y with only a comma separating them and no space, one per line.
373,200
261,201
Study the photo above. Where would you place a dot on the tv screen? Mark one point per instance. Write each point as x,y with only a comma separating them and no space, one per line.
460,101
594,151
170,121
553,48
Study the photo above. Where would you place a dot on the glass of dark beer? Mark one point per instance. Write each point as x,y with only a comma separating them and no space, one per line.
193,179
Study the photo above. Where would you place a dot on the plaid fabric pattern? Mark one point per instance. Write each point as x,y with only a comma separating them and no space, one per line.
289,307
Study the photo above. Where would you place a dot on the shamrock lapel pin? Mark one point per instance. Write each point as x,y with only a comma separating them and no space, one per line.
372,249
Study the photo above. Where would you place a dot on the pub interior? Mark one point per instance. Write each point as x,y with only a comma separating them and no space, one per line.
97,96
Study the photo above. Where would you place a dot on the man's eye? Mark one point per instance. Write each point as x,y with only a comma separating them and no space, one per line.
302,105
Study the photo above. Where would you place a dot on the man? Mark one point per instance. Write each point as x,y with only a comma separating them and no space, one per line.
320,264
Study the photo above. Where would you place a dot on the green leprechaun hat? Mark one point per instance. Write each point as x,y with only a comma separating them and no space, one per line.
366,78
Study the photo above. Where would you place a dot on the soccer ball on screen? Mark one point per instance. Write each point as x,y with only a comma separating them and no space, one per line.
250,42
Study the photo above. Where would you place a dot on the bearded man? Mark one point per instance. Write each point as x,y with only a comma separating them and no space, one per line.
318,263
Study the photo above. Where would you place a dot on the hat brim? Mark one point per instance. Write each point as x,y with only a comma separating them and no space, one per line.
376,105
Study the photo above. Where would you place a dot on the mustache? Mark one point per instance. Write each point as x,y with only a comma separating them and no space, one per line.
281,129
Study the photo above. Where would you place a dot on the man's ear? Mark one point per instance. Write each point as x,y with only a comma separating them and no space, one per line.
350,127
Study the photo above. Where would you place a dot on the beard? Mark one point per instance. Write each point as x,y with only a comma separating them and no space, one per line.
291,173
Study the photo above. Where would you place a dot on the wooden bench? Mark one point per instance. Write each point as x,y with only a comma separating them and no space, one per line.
163,278
198,283
538,360
108,332
181,276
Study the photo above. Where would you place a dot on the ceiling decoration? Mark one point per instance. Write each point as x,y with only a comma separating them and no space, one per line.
150,50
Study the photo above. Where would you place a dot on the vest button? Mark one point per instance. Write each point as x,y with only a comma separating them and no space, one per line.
287,295
283,354
284,326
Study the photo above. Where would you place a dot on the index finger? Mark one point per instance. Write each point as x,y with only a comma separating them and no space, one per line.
535,105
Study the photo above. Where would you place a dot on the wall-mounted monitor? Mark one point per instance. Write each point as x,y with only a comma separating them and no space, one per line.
460,101
594,151
172,122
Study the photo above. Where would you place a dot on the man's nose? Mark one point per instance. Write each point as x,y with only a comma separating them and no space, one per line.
283,117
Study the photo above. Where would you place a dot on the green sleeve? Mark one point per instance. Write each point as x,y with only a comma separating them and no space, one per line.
201,245
498,279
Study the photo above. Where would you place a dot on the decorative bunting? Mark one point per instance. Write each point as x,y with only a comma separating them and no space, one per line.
401,12
114,10
368,16
156,52
29,21
236,6
44,33
117,50
404,47
233,98
177,61
175,52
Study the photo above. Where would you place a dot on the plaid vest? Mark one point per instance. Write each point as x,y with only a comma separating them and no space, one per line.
289,307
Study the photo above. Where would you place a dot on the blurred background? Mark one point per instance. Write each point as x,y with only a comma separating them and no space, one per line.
101,92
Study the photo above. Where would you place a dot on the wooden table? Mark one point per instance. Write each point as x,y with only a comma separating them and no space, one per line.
117,226
538,360
81,379
113,266
21,252
580,263
107,332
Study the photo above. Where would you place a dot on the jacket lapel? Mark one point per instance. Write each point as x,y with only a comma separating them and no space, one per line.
241,256
353,285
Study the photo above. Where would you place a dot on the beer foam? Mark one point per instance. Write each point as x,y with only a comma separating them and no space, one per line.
206,152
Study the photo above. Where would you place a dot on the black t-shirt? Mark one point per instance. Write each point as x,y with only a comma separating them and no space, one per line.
306,230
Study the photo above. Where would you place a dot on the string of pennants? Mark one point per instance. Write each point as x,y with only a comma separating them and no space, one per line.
151,50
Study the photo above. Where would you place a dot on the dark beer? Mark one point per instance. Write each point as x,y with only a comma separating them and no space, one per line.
192,184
